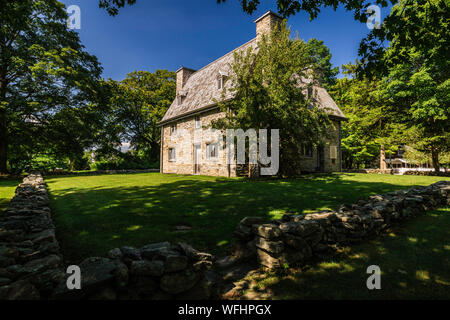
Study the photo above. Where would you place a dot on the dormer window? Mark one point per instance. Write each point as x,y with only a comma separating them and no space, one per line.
221,78
219,82
180,97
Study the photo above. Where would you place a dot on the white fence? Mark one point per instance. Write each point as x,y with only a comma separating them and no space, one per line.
402,171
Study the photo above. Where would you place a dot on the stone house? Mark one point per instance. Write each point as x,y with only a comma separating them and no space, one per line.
194,108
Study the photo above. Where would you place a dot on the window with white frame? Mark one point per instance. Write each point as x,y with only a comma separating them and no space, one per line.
173,128
172,154
220,82
198,123
221,78
211,151
307,150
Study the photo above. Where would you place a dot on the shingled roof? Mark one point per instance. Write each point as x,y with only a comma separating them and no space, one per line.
201,90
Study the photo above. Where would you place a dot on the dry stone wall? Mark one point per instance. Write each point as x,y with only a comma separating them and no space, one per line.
296,239
427,173
30,259
159,271
98,172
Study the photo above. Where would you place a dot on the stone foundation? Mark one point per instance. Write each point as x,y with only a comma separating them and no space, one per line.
294,240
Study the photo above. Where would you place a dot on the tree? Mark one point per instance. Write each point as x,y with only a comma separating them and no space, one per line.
290,7
285,7
416,72
321,54
369,126
138,103
113,6
43,70
268,95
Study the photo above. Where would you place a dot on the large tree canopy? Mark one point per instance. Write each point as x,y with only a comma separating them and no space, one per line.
44,70
137,104
415,71
285,7
113,6
290,7
370,125
265,84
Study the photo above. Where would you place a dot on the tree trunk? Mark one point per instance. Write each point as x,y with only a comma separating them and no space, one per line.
3,125
382,158
70,164
3,142
435,159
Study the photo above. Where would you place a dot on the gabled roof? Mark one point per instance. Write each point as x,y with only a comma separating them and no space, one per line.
201,89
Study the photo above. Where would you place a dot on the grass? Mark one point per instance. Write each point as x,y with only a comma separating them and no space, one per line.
414,260
7,188
94,214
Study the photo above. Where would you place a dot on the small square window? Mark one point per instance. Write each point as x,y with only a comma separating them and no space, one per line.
172,154
211,151
198,123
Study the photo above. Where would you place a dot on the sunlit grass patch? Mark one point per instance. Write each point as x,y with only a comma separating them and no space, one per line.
7,189
137,209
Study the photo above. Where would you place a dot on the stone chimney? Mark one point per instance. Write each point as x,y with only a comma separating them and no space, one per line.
183,75
266,23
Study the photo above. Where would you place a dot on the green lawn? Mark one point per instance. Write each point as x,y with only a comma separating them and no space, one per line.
7,188
414,260
96,213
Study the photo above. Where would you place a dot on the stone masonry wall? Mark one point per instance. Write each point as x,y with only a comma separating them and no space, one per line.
216,167
219,167
296,239
30,260
159,271
310,164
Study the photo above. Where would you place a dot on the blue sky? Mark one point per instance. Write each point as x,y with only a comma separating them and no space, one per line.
168,34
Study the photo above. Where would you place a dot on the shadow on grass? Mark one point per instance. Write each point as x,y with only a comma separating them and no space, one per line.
93,219
414,261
